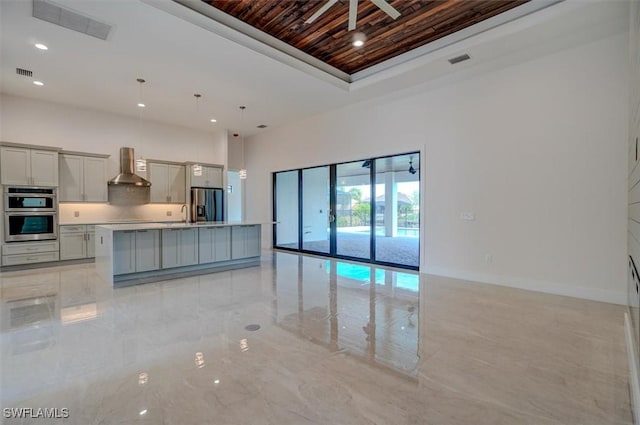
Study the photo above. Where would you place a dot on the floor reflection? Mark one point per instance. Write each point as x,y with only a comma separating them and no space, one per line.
371,312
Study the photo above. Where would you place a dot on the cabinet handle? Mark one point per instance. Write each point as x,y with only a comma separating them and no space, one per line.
32,249
32,258
143,231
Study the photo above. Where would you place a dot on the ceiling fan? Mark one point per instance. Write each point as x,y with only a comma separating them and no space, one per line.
353,11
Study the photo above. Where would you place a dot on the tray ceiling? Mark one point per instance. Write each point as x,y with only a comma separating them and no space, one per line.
329,40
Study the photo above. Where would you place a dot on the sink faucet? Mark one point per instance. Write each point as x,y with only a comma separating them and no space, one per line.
182,209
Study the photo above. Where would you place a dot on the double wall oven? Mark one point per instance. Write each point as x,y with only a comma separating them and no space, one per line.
30,213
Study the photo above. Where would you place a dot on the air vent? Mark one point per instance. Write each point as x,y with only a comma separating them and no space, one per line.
24,72
459,59
57,15
262,126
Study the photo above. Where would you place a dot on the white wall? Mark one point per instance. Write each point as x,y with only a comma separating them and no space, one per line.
536,150
50,124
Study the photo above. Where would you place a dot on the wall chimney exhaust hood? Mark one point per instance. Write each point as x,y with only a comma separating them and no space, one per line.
127,174
127,188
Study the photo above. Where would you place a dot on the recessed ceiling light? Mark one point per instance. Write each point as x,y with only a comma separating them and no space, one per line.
358,39
143,412
38,83
141,105
214,120
41,46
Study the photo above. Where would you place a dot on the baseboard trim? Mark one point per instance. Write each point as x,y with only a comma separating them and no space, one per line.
614,297
633,370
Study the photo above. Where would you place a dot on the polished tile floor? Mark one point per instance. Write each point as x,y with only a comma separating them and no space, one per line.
338,343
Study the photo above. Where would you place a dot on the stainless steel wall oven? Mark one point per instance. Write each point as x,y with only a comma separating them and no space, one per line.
30,213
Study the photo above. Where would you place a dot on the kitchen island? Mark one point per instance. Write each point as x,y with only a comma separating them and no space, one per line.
128,254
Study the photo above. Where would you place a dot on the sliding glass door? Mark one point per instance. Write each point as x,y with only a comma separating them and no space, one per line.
353,210
366,210
316,210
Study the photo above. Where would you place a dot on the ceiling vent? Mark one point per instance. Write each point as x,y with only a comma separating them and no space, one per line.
459,59
57,15
24,72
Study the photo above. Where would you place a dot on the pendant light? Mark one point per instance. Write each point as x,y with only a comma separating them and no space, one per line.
197,168
243,171
141,163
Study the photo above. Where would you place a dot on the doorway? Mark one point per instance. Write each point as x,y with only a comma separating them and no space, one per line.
366,210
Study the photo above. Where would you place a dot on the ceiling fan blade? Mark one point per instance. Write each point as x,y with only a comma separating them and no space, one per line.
353,14
386,8
320,11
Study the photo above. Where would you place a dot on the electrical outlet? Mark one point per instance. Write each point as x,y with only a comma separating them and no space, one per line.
169,213
76,213
467,216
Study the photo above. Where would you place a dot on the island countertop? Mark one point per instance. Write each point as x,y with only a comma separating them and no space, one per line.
176,225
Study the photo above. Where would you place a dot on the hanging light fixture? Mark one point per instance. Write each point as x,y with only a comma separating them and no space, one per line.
411,169
141,163
243,171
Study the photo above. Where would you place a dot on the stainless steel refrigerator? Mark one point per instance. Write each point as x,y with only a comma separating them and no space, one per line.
207,204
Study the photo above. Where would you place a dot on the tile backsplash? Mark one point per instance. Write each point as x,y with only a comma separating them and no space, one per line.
76,213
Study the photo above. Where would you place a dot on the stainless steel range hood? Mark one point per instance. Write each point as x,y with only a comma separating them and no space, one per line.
127,174
127,188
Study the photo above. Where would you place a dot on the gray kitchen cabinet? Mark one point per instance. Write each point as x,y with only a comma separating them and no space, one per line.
77,241
147,250
83,178
179,247
73,245
29,253
206,176
136,251
168,183
245,241
189,247
24,166
124,252
91,242
214,244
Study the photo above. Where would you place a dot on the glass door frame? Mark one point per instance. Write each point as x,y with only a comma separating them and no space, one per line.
332,211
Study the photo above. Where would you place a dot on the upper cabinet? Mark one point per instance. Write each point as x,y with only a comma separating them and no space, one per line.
83,177
26,166
206,175
168,182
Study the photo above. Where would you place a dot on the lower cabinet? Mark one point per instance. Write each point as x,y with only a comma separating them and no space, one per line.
214,244
16,253
245,241
77,241
179,247
124,252
136,251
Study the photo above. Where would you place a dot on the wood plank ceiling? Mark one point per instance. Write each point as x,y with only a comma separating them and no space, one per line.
327,39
